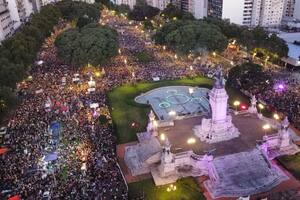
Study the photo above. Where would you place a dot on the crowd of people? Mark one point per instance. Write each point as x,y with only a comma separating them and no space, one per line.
86,166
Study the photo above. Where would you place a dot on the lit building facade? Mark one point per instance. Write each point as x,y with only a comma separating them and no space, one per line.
266,13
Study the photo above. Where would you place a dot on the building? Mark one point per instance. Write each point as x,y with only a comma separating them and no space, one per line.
289,6
130,3
160,4
266,13
271,13
297,9
6,23
198,8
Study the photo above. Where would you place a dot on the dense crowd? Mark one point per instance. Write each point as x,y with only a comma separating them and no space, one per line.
86,167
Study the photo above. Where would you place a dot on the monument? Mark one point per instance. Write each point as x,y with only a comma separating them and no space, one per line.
252,108
279,143
219,127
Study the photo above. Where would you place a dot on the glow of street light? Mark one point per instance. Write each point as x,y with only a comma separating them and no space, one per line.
97,74
191,67
261,106
175,56
162,137
266,127
191,141
214,54
236,103
164,47
276,116
172,113
119,51
125,61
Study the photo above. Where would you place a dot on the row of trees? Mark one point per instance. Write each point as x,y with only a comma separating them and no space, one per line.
186,36
91,44
19,51
254,40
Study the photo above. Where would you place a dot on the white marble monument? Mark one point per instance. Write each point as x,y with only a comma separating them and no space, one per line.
252,108
219,127
280,143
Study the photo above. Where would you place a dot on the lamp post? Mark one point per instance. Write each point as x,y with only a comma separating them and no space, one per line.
260,107
276,116
171,188
266,127
236,104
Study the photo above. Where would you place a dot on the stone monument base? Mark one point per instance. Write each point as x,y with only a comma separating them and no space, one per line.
216,132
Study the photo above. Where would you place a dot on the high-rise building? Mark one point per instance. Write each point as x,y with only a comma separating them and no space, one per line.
297,9
271,13
266,13
130,3
6,23
288,10
160,4
198,8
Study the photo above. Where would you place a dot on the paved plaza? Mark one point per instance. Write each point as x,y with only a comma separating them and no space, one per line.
244,174
183,100
249,126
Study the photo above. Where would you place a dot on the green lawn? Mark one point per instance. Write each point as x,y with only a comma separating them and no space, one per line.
125,110
186,189
292,164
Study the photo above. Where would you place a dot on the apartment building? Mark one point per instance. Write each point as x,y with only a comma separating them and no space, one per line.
6,22
266,13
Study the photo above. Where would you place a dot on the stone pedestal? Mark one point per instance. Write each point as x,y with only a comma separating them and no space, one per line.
219,127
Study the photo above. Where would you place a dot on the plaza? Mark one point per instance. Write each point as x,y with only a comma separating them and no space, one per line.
170,148
179,100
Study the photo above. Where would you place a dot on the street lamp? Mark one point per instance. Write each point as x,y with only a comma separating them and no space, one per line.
214,54
162,137
191,141
191,91
164,47
171,188
266,127
276,116
236,104
260,107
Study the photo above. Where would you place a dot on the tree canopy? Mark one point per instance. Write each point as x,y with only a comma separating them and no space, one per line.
72,10
19,51
142,11
257,38
248,76
185,36
92,44
171,12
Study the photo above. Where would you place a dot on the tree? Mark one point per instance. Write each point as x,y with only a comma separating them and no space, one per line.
83,21
92,44
185,36
72,10
171,12
10,73
7,100
141,12
248,76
